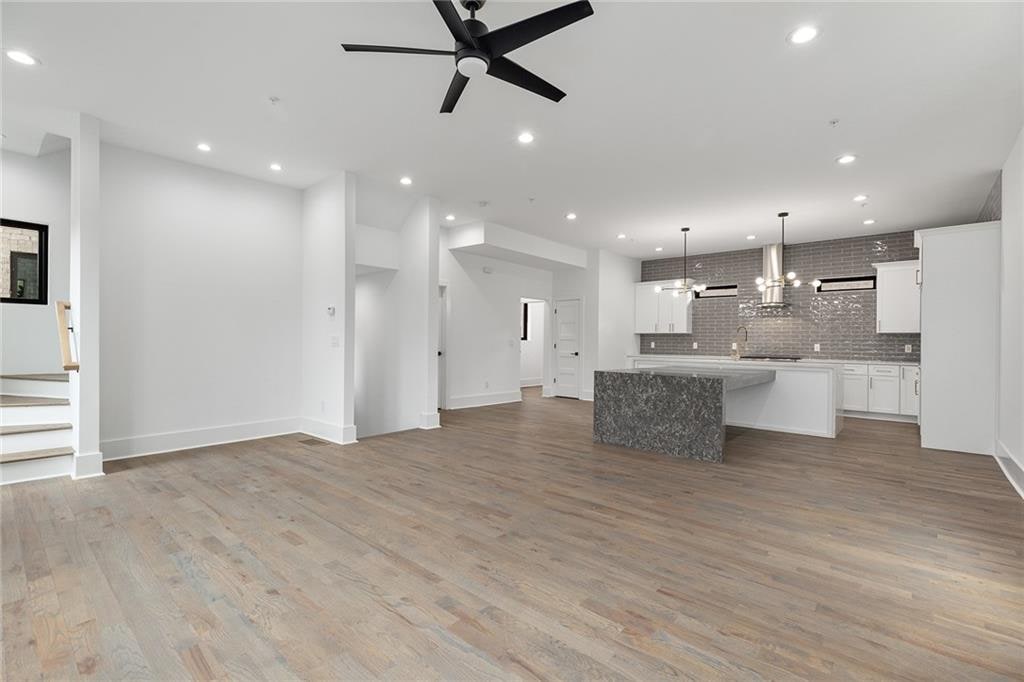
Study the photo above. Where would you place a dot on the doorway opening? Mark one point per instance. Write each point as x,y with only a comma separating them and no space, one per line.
533,320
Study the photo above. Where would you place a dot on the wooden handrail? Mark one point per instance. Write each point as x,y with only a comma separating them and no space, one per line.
63,337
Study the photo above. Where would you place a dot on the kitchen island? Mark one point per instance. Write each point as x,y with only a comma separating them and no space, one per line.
678,410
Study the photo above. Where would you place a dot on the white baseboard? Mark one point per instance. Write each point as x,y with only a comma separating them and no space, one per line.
430,420
87,465
548,391
339,435
1011,467
881,416
460,402
152,444
779,429
533,381
587,395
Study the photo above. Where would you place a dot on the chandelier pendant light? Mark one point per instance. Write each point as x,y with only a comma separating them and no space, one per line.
685,285
775,278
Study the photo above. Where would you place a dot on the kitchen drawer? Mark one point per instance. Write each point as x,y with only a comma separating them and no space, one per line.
855,369
884,370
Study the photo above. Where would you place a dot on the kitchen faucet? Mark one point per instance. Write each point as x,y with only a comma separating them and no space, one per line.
738,347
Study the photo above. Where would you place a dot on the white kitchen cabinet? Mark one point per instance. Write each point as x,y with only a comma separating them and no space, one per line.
855,388
910,389
662,312
647,302
884,389
898,299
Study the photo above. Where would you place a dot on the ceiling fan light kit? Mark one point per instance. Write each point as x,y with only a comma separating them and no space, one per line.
479,51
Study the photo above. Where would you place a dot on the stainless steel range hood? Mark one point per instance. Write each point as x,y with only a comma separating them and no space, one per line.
774,277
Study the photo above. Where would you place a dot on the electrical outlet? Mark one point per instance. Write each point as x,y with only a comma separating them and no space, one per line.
734,345
487,384
335,342
695,345
908,348
652,344
817,348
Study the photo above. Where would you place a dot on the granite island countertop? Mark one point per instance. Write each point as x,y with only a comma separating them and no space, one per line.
732,378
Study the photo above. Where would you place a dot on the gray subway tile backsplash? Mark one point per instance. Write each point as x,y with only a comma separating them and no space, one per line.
843,323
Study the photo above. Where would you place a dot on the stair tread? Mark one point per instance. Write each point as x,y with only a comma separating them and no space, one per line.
11,429
35,454
30,401
44,376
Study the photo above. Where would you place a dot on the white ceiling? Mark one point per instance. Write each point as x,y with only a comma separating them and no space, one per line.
677,113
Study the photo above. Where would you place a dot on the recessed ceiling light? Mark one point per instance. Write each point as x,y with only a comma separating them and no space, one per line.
869,221
570,216
203,147
620,236
405,180
657,248
22,57
525,137
449,217
846,159
275,167
751,236
861,198
803,34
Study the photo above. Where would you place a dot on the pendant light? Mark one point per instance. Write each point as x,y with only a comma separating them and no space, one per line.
775,278
685,285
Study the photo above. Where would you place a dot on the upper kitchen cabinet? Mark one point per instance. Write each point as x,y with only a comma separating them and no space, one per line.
898,306
662,312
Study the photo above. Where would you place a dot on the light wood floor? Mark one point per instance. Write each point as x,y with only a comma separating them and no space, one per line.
507,545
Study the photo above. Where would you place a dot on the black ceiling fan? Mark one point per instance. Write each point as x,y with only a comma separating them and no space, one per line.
479,51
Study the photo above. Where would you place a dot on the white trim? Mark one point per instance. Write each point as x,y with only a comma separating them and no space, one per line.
880,416
586,395
779,429
461,402
87,465
1013,471
152,444
339,435
548,391
36,469
430,420
532,381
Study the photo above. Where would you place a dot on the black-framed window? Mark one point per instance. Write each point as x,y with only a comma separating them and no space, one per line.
525,323
23,262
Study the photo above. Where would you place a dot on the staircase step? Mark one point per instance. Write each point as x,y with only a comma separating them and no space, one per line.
12,429
30,401
35,454
56,376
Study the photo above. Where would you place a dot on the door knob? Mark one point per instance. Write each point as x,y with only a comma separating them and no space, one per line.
576,353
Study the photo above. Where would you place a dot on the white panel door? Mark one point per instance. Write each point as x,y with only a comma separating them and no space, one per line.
910,390
855,392
567,325
665,304
898,302
646,308
681,314
884,394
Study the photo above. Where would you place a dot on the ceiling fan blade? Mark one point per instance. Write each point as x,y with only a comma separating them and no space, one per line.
454,21
397,50
510,72
507,38
454,92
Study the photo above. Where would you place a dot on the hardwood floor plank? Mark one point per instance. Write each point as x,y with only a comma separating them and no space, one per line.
508,545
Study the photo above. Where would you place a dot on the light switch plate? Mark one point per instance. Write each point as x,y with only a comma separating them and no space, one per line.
335,342
695,345
652,344
817,348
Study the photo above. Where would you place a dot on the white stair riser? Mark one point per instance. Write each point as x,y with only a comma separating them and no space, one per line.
35,414
37,440
33,469
41,389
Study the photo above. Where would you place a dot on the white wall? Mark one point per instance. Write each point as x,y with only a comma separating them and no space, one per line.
483,337
1011,374
531,351
395,334
328,282
201,279
36,190
617,277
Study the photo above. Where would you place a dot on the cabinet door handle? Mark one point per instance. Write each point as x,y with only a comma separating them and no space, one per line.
655,326
871,382
917,387
917,276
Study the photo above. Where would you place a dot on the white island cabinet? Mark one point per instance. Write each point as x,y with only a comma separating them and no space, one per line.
871,389
898,300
